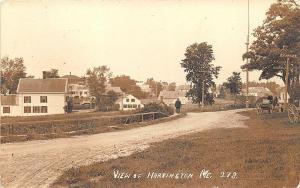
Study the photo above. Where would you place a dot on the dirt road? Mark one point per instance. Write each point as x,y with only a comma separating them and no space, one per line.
39,163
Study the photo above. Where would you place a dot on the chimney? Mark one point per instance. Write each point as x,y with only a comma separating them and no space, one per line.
44,74
70,73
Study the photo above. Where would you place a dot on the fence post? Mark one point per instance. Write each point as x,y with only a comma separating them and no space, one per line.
142,117
153,115
52,128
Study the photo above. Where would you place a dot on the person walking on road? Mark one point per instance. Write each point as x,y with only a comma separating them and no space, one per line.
178,105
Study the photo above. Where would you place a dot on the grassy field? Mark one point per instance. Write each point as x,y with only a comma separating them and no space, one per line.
266,154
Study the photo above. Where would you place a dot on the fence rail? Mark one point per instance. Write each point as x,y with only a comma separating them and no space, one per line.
70,126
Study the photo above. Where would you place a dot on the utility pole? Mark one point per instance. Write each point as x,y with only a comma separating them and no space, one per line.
203,93
247,60
286,83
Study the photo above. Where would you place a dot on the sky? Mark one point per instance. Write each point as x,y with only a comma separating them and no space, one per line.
142,39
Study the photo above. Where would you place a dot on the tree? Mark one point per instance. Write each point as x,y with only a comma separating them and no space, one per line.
128,85
53,73
109,101
234,84
96,81
222,92
155,86
11,71
280,29
200,71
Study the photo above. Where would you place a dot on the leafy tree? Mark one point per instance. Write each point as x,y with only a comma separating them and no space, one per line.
109,101
11,71
234,84
280,28
96,81
53,73
155,86
199,69
128,85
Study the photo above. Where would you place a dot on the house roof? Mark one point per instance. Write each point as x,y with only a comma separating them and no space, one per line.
183,87
260,91
126,96
171,94
115,89
148,101
73,79
9,100
50,85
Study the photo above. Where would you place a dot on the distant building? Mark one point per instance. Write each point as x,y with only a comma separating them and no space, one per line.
36,97
10,105
258,92
117,90
73,79
169,97
129,102
183,88
77,90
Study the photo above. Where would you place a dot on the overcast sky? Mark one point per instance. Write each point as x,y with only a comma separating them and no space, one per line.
141,39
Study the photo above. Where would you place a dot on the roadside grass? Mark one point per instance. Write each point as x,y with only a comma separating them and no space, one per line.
14,132
57,116
266,154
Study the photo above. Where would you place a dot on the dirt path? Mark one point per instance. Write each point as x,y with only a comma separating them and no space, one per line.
39,163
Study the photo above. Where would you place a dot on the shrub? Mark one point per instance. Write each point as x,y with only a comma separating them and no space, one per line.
154,107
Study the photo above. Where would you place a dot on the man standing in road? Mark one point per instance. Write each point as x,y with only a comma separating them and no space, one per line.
178,105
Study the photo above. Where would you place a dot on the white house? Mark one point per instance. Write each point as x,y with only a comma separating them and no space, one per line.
77,90
10,105
37,97
129,102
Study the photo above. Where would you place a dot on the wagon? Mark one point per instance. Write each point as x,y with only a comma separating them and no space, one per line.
264,104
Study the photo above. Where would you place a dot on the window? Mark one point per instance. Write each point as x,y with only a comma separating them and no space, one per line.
127,100
43,99
129,105
134,106
27,109
6,110
132,100
36,109
27,99
125,106
44,109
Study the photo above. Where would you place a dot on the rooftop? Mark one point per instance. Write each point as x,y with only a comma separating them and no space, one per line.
50,85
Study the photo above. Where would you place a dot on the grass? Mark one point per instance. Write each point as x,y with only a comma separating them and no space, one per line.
57,116
14,132
266,154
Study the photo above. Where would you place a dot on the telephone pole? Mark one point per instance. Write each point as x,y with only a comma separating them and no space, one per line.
247,60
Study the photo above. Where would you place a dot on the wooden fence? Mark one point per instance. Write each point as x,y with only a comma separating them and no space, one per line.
71,126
